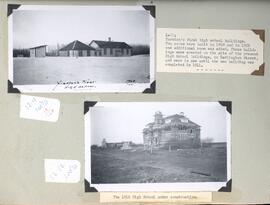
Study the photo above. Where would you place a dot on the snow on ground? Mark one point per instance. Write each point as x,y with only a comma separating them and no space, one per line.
50,70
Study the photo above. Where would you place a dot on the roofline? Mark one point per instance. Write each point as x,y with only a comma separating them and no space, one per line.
39,46
110,41
113,42
74,43
90,42
170,116
189,121
194,123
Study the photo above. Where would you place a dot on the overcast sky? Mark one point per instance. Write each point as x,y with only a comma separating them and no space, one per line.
38,27
126,122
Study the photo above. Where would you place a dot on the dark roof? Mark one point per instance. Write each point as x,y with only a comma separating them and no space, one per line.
111,44
173,116
76,45
181,116
38,46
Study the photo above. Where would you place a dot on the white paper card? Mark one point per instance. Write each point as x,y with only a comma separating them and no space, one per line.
210,51
39,108
62,171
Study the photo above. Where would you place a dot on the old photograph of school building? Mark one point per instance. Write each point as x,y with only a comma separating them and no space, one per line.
107,48
158,142
99,44
174,131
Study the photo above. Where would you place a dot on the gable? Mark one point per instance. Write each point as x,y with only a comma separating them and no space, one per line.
76,45
94,44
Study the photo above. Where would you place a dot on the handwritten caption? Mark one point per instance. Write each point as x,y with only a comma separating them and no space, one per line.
39,108
211,50
75,85
156,197
84,84
62,171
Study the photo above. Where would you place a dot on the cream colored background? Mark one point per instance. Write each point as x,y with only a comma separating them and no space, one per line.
25,143
248,36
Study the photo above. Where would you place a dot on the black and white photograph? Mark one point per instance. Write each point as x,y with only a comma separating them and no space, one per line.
82,48
157,146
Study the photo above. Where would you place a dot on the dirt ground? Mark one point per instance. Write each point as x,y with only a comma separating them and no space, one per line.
130,166
50,70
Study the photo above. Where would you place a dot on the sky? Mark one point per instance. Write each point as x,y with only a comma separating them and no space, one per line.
38,27
126,122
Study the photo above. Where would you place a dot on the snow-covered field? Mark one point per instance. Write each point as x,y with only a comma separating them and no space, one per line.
50,70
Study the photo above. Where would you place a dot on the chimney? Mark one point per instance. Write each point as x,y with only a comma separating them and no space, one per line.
109,39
